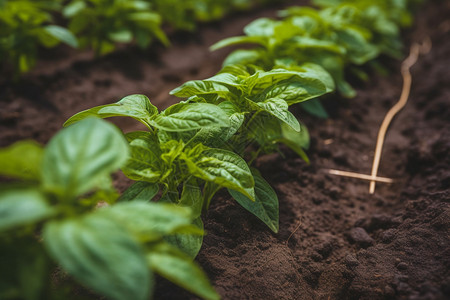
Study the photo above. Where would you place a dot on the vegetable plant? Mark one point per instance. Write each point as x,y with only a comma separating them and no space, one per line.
24,27
196,147
52,217
336,36
101,24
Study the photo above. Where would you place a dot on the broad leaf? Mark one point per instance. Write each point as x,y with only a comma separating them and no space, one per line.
22,207
201,87
265,206
216,136
188,243
136,106
101,254
190,116
80,157
179,268
151,221
140,191
223,168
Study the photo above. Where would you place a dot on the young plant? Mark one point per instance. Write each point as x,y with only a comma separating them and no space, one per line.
166,156
53,218
189,150
342,34
24,27
101,24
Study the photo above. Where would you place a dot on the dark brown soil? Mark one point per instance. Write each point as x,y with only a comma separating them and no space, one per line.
336,241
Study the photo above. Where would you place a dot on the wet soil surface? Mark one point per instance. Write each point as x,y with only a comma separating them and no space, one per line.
336,240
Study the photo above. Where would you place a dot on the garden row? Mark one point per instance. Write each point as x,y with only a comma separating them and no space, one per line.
189,151
26,25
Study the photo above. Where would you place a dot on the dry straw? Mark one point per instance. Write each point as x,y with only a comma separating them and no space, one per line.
415,51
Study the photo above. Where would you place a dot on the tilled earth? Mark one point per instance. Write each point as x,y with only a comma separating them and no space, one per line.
336,240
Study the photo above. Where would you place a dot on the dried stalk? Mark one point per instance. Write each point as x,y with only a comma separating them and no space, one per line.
416,49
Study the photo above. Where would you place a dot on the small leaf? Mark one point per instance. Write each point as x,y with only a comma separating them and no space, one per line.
144,163
265,206
121,36
73,8
179,268
244,57
62,34
238,40
279,109
22,207
78,158
100,253
21,160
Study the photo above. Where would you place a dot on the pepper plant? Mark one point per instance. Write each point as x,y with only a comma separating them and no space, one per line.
196,147
341,34
52,217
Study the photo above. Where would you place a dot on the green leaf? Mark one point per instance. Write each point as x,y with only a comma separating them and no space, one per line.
179,268
73,8
140,191
136,106
121,36
21,160
315,108
297,141
100,253
81,156
262,27
216,136
300,84
200,87
279,109
265,205
224,168
62,34
150,221
24,273
191,197
144,163
188,243
238,40
190,116
22,207
244,57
